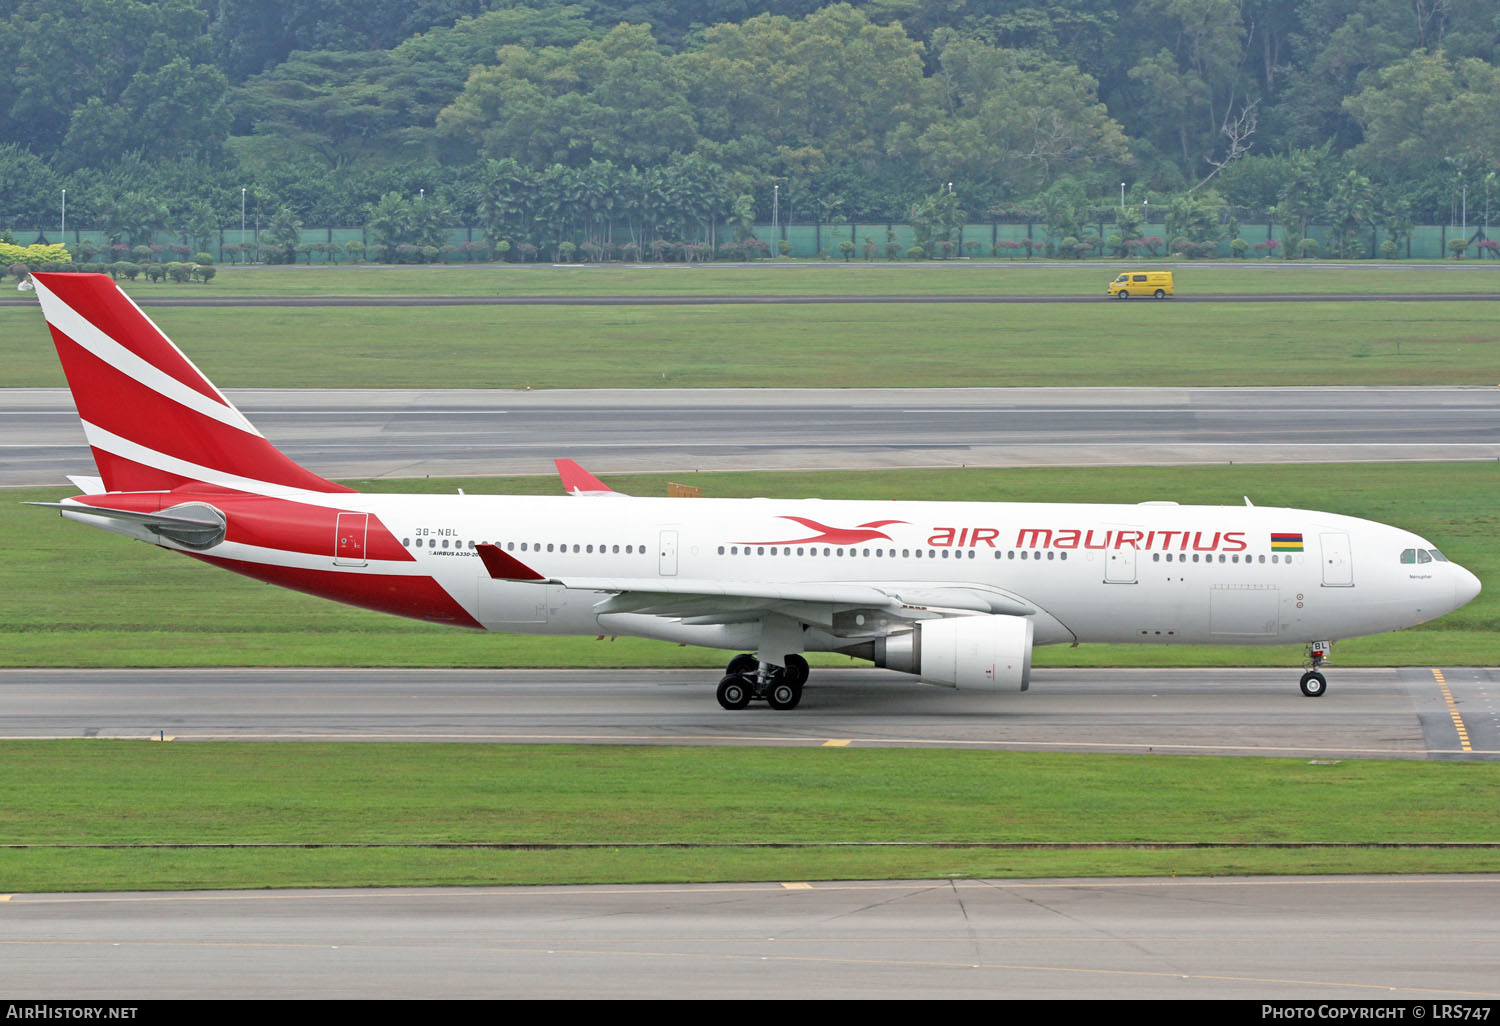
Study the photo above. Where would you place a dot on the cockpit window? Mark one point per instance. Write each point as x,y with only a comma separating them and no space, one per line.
1438,556
1423,557
1409,555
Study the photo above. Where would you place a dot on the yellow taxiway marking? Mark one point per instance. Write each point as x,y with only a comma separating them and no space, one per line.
797,886
835,742
1458,721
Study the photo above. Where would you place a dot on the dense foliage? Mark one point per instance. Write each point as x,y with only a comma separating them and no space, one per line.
545,122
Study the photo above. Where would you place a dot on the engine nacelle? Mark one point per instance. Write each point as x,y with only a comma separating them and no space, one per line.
970,653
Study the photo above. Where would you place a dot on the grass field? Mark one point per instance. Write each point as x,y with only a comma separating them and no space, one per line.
72,596
856,345
960,277
121,792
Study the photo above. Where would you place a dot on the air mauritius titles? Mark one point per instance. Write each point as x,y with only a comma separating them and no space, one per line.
1077,538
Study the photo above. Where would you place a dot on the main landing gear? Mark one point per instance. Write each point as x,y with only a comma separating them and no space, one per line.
1313,683
746,680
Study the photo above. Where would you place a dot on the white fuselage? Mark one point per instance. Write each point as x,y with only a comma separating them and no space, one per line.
1150,573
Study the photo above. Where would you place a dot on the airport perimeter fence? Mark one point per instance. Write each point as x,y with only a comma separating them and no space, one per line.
1004,240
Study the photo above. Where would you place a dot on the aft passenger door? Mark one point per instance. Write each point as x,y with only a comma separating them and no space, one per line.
349,540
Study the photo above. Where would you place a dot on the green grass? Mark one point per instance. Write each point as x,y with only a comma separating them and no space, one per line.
72,596
856,345
981,277
113,792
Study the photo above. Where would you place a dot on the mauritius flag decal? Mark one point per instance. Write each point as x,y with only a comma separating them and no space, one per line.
1286,543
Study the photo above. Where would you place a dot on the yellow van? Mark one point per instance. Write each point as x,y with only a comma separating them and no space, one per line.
1142,283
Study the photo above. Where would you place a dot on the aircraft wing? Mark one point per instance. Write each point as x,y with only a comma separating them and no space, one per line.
881,605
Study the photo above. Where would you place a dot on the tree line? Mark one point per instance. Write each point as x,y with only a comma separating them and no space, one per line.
544,123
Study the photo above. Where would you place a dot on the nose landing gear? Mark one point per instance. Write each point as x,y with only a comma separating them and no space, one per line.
746,679
1313,683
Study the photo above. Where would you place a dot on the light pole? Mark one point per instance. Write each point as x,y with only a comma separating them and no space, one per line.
1122,195
242,223
63,231
775,215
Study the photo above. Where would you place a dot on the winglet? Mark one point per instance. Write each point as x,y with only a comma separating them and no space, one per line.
503,566
577,481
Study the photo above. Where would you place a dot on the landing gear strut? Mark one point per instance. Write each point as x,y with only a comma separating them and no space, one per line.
746,680
1313,683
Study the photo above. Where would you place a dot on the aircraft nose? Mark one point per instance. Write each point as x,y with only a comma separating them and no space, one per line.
1465,587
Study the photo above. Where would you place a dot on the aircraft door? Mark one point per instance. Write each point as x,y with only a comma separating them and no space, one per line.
667,548
1119,566
1338,565
349,539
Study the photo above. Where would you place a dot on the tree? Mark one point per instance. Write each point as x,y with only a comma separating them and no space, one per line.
133,218
1195,217
29,189
1426,108
935,218
392,221
201,224
1009,123
1351,204
284,235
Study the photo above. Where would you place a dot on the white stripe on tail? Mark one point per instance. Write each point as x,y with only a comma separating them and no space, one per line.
153,420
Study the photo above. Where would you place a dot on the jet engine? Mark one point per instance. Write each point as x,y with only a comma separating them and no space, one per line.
969,653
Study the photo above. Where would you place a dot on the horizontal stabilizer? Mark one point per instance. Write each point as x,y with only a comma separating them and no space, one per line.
194,525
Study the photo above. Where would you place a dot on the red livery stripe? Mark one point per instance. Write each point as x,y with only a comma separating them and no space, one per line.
420,598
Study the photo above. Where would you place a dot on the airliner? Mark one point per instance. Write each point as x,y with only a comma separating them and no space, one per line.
953,593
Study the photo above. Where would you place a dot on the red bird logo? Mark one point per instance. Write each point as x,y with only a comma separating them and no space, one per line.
834,535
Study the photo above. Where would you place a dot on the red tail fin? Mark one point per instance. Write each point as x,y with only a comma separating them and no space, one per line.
151,417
